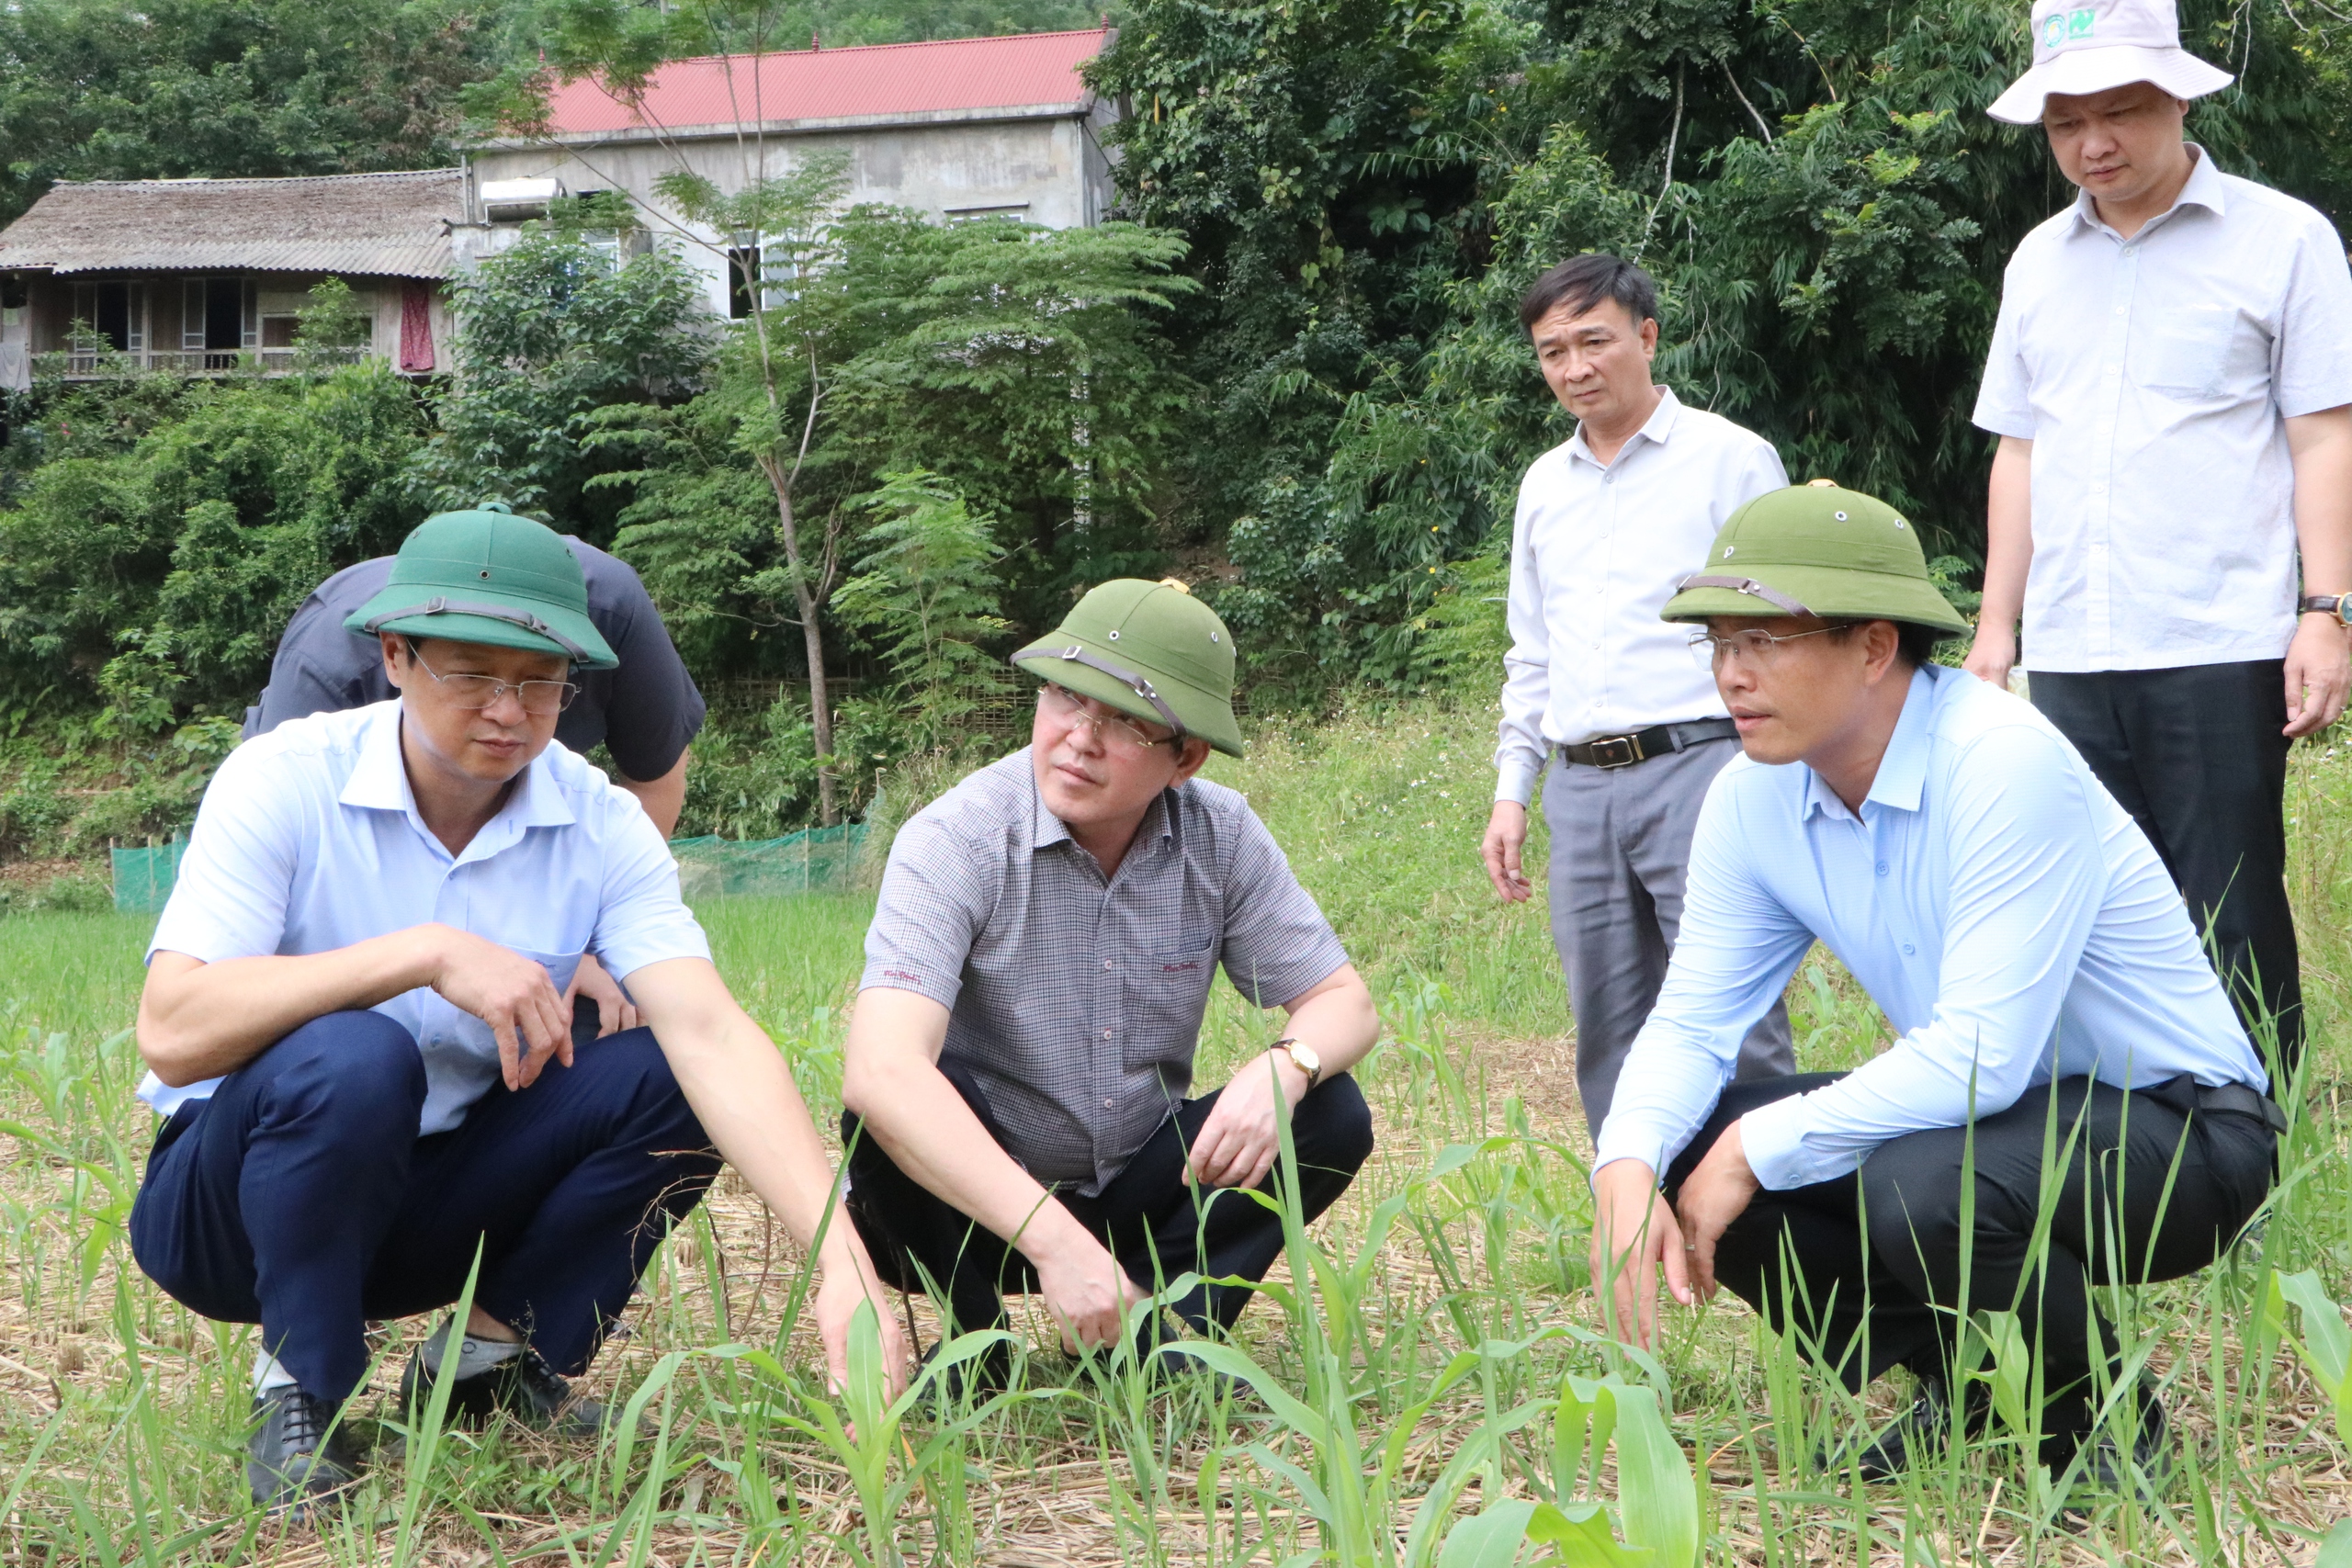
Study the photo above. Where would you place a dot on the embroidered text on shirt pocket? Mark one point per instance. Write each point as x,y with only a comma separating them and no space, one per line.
1165,994
2186,355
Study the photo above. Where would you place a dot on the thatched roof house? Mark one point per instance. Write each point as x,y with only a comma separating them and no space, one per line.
198,274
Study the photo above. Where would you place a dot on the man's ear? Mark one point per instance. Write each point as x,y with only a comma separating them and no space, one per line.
1649,337
1191,759
1883,643
395,657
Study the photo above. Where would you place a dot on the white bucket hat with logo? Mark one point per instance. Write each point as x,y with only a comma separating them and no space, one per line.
2089,46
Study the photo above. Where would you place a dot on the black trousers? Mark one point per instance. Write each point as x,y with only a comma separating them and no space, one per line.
1156,1225
1865,1269
2196,756
301,1197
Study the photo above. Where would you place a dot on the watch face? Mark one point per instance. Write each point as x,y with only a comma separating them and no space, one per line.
1308,1062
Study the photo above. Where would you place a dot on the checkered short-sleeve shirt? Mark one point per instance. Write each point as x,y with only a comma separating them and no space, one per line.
1075,1000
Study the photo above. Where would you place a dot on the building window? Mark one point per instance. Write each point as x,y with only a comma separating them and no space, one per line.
743,272
112,312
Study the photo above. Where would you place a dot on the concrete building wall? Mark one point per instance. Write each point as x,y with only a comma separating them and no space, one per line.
1046,169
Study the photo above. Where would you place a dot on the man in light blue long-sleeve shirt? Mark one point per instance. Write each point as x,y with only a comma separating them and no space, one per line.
2022,937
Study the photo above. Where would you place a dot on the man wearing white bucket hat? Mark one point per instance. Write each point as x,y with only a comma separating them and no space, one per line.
2169,378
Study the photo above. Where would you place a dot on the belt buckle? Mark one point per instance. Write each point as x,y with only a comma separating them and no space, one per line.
1617,751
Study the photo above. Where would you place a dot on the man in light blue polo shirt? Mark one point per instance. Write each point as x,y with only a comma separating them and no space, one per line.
353,998
2019,933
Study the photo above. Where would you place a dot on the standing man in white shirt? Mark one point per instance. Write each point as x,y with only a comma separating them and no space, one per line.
1595,684
2169,378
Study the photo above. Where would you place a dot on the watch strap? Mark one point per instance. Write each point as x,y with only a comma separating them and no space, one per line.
2337,604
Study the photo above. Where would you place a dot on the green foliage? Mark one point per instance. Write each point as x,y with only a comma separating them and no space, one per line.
549,332
927,589
110,89
150,564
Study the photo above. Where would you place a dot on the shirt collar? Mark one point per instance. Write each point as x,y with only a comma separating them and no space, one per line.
378,782
2204,189
1046,829
1657,428
1902,769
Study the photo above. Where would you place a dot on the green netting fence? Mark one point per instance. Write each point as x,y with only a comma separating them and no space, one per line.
144,877
817,860
820,859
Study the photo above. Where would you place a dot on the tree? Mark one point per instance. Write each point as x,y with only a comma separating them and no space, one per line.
927,585
114,89
549,331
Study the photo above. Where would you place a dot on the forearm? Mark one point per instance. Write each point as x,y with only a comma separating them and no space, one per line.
1335,1020
664,797
2008,535
198,1021
930,1133
2321,445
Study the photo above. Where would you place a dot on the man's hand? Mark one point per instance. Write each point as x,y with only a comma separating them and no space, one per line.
1239,1141
839,1291
1505,836
1992,655
514,995
1717,1193
1633,1232
2319,674
614,1011
1084,1287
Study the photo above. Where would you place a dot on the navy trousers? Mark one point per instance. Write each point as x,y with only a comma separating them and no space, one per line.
301,1197
1150,1219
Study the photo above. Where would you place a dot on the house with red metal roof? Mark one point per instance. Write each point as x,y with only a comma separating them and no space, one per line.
954,127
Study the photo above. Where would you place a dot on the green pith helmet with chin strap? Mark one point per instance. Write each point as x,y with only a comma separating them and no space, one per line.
1816,549
1150,651
487,576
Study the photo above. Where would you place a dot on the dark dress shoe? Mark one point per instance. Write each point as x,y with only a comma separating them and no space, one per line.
297,1459
1922,1430
522,1386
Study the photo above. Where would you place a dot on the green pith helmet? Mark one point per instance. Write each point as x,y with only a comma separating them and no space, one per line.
491,577
1149,650
1816,549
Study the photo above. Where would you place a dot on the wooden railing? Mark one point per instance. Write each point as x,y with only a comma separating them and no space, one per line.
102,364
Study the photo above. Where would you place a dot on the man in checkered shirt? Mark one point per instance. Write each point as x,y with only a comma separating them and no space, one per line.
1019,1063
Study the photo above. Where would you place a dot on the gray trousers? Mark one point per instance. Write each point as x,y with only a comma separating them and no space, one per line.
1620,842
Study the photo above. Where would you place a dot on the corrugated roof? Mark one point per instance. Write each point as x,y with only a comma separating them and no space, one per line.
389,225
877,81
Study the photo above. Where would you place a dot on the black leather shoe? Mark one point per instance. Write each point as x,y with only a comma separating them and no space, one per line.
2151,1466
294,1463
973,1380
523,1386
1922,1430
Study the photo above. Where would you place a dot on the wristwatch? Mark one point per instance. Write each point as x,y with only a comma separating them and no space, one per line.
2337,604
1303,1058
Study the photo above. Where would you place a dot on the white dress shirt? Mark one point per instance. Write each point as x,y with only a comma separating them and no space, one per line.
1596,550
309,840
2153,376
2005,914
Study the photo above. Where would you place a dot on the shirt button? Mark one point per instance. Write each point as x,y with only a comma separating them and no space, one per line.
1110,1105
1106,1034
1109,965
1908,950
1881,868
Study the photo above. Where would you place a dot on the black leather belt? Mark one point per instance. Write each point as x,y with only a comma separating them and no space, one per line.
1625,750
2185,1094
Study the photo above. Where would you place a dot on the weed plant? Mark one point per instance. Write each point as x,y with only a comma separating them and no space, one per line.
1421,1384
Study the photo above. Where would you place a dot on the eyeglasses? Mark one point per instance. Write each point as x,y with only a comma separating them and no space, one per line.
1116,730
470,693
1756,646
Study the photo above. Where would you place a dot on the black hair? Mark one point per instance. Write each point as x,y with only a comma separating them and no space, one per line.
1914,644
1582,282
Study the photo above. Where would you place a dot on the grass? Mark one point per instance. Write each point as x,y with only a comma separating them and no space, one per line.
1425,1387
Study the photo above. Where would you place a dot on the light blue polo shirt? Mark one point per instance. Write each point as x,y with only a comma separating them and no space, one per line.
309,840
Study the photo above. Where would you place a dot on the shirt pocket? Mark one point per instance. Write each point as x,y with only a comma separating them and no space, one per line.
1165,994
560,967
2192,353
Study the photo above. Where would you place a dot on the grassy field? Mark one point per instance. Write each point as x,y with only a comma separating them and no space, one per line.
1425,1384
